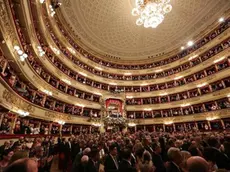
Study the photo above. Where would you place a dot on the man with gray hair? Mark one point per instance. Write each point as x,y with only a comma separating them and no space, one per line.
175,159
77,161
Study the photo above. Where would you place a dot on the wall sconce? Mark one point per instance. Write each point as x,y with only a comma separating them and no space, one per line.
47,92
40,50
21,53
168,122
23,113
211,118
132,124
61,122
95,124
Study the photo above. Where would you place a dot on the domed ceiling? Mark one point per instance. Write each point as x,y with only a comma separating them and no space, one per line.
108,27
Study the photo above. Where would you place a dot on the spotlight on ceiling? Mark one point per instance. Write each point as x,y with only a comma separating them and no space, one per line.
221,19
190,43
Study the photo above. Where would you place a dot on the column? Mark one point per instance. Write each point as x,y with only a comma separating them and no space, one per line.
90,129
174,127
1,118
60,130
185,128
71,129
222,123
13,124
196,125
209,125
163,127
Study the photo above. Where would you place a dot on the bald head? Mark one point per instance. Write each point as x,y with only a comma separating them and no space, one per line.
23,165
197,164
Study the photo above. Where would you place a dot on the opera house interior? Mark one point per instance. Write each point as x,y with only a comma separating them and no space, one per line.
114,85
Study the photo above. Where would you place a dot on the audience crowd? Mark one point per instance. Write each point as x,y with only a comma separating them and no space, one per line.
141,151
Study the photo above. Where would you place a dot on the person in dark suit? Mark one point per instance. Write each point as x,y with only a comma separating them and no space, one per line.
157,159
125,164
77,164
111,162
75,149
147,144
175,159
92,165
213,154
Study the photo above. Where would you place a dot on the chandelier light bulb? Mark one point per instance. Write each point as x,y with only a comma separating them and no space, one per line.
20,52
22,58
25,55
182,48
16,47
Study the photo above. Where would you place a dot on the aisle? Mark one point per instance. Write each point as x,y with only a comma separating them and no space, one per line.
54,166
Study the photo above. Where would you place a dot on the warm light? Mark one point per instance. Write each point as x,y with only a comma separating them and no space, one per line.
178,77
55,50
182,48
20,52
25,55
47,92
71,50
66,81
98,93
127,73
41,1
16,47
158,70
151,13
228,95
190,58
23,113
98,68
129,97
96,124
147,109
168,122
112,83
131,124
83,74
144,84
81,105
221,19
61,122
190,43
201,85
211,118
40,50
184,105
163,94
218,60
22,58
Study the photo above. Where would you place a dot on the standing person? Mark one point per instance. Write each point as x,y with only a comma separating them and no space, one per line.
5,159
175,159
92,165
157,159
111,162
43,161
125,164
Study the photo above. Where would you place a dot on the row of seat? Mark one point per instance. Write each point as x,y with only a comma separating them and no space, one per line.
198,44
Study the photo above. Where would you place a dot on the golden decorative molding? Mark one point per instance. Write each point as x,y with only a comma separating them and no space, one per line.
15,101
9,100
58,116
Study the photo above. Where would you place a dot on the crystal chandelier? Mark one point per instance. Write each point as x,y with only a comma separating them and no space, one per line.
151,12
